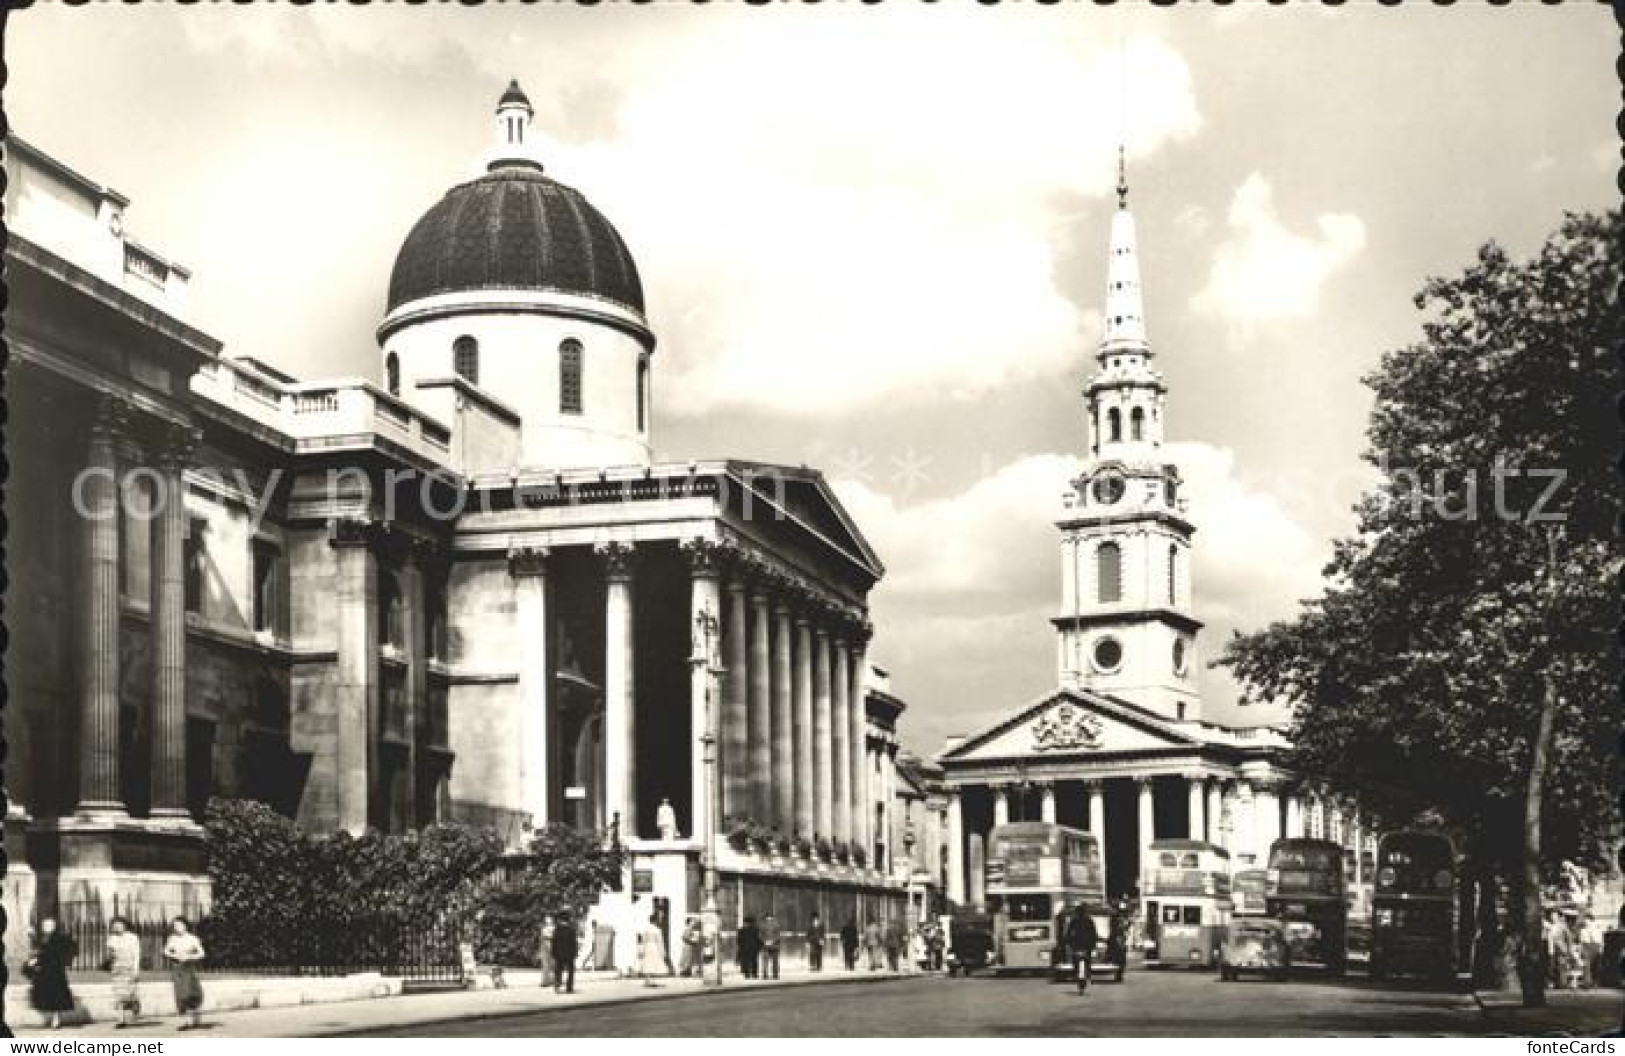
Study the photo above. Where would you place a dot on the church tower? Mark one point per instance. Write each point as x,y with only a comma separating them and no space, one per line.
1126,628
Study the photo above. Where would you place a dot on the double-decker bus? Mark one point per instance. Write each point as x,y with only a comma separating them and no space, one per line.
1035,870
1186,887
1413,906
1304,889
1247,887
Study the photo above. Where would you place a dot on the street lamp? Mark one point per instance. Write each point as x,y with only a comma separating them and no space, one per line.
706,630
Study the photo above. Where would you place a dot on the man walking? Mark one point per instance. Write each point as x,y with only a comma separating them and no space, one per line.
849,944
1081,940
772,935
749,941
565,945
815,944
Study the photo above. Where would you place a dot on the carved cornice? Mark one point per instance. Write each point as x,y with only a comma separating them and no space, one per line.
114,420
705,557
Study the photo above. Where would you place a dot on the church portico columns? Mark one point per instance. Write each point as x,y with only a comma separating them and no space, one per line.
861,795
823,738
806,789
846,747
1046,792
168,607
528,567
1094,791
619,717
1266,818
1294,816
1215,813
704,602
355,691
1001,804
1195,825
760,744
956,849
736,785
784,779
98,493
1148,823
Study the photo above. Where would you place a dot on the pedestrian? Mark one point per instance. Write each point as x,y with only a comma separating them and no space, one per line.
772,936
1081,939
651,960
544,950
849,944
184,952
892,940
123,962
47,972
693,962
624,942
934,947
815,944
564,946
749,941
874,943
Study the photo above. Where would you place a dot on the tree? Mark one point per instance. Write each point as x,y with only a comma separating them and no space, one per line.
565,870
1460,663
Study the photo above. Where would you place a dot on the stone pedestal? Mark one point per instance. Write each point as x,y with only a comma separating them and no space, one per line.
92,866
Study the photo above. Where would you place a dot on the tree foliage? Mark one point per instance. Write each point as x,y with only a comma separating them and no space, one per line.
1472,582
564,870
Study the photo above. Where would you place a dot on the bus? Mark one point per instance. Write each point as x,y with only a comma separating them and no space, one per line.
1186,888
1413,906
1247,888
1304,889
1035,871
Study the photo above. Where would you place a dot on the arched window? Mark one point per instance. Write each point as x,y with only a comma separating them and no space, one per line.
465,352
570,377
1114,425
1173,574
1109,571
1136,421
392,374
643,393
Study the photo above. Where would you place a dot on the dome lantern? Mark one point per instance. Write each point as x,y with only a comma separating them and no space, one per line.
513,147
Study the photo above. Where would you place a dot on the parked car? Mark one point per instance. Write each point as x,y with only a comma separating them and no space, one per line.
970,943
1254,944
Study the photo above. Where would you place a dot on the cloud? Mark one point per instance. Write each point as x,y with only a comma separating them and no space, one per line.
829,219
1265,272
964,570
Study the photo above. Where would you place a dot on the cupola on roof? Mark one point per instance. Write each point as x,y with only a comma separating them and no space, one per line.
515,228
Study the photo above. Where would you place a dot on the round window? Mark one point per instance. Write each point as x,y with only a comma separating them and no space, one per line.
1179,656
1108,654
1108,488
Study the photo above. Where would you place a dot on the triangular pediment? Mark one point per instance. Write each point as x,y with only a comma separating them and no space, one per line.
1070,723
809,501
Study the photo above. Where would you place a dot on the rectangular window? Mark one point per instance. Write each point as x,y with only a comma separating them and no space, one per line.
195,554
267,562
570,377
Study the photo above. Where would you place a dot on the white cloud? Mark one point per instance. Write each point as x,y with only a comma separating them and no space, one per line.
972,576
1265,272
829,219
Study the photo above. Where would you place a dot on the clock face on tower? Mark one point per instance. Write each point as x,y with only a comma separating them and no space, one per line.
1108,488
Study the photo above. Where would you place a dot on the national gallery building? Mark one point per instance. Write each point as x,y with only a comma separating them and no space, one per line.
1121,747
466,593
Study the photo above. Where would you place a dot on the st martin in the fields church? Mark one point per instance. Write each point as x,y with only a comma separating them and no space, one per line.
1122,747
467,593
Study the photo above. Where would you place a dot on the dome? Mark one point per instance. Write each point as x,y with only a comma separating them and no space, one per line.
515,229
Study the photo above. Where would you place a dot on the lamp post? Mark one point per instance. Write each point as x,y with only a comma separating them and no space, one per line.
706,631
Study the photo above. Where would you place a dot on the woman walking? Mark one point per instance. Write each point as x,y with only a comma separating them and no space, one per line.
184,952
651,957
47,972
124,963
544,952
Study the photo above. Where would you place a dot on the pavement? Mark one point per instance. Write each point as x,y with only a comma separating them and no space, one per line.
1582,1013
421,1014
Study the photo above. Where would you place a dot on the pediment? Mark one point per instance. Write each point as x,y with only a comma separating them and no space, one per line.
1068,723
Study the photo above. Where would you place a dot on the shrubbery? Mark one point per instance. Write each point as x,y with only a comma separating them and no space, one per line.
564,869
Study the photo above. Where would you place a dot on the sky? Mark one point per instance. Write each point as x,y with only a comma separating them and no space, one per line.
873,239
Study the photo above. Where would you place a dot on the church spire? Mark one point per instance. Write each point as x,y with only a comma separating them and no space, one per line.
1124,328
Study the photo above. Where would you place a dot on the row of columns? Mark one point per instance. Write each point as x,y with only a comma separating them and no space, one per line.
113,452
1248,824
793,713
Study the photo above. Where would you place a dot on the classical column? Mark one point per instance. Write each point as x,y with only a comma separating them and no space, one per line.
955,883
736,787
1266,818
1294,816
761,710
168,611
1215,813
1001,805
704,611
527,565
863,810
620,731
846,748
806,781
784,759
823,739
1097,812
1194,827
355,690
98,498
1148,825
1047,804
415,695
1244,834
